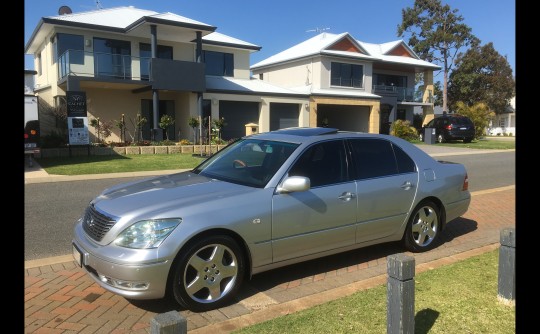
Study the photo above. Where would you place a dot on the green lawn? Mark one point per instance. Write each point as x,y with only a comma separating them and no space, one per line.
458,298
479,144
96,164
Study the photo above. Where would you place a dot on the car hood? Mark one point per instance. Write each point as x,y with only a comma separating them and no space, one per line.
164,196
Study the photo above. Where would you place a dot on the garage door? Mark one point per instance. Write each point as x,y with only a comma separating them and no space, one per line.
237,115
283,115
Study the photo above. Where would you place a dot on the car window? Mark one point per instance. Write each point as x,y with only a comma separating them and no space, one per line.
324,164
430,124
404,162
249,162
373,158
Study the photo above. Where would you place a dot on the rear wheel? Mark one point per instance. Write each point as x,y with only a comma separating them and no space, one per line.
421,137
208,273
423,228
467,140
440,138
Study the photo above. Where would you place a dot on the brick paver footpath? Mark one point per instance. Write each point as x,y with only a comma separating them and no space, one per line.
61,298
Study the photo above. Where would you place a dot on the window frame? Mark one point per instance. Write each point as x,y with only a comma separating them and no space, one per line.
227,61
352,67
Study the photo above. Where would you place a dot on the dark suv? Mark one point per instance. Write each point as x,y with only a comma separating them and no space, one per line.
451,127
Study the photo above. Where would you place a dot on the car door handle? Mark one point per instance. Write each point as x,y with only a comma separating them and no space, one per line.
407,185
347,196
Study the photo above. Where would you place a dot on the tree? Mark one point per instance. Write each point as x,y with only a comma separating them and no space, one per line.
194,124
219,124
164,123
482,75
436,33
479,114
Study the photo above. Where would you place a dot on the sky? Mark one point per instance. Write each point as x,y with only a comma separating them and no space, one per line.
276,25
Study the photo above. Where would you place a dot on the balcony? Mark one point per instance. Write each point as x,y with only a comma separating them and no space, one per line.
404,94
160,73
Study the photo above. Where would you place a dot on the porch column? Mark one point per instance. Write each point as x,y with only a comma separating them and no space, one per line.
198,59
157,135
427,111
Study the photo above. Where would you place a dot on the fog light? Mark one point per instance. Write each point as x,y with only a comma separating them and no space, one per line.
126,285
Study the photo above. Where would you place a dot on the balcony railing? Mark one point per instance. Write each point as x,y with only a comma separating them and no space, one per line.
405,94
104,65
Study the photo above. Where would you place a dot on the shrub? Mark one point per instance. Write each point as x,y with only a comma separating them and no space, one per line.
479,114
404,130
185,142
53,140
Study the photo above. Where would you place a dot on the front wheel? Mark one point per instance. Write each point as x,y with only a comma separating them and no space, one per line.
423,228
467,140
208,273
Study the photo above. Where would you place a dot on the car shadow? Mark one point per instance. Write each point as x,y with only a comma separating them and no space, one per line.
456,228
267,280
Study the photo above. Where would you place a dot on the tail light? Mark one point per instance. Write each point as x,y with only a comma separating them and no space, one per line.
465,183
26,136
33,132
449,127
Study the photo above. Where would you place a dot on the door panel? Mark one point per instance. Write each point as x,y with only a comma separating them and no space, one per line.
312,221
383,204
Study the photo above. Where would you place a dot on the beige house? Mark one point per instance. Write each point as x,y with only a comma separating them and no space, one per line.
353,85
131,61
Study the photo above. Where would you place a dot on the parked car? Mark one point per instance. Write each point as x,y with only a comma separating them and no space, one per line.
451,127
265,201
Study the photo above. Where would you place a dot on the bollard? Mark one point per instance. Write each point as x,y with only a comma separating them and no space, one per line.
507,266
400,294
168,323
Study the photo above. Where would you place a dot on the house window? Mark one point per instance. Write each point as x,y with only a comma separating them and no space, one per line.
347,75
112,58
219,63
145,52
502,122
39,65
390,80
261,76
73,43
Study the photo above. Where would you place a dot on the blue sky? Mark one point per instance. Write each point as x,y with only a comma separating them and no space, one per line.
276,25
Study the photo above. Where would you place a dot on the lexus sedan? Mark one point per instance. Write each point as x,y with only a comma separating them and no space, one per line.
265,201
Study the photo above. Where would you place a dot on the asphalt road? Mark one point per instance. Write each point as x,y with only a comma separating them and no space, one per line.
51,209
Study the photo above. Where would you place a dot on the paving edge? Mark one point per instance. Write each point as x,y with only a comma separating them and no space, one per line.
274,311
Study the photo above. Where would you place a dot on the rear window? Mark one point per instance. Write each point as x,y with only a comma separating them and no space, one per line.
461,120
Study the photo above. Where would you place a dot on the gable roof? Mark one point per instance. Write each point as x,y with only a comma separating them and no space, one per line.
130,20
316,45
323,44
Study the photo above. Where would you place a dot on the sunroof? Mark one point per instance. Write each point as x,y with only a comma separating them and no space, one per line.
307,132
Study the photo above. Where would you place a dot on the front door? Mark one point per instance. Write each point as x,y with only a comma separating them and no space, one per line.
322,218
384,128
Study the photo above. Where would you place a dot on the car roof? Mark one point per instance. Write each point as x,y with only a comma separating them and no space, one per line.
306,135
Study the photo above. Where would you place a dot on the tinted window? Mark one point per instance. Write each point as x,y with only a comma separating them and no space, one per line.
404,162
219,63
323,164
65,42
373,158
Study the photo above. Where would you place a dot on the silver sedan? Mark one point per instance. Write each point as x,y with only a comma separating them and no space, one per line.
265,201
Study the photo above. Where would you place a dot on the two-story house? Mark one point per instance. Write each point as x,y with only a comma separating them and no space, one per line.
132,61
353,85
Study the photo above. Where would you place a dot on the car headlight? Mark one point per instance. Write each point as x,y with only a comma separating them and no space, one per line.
147,233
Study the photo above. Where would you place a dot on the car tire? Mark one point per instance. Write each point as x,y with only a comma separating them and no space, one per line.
421,137
423,228
201,281
467,140
440,138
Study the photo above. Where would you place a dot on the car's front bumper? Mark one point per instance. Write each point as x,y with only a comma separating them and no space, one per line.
143,278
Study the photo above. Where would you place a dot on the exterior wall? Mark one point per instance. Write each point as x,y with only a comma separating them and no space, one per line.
294,74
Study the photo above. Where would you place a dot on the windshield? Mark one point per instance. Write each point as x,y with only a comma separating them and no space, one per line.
250,162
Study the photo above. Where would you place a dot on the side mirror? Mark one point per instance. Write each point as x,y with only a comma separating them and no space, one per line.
294,184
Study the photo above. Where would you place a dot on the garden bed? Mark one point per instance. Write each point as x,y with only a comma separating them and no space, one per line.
126,150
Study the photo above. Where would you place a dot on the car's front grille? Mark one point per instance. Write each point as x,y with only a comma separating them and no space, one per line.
95,224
